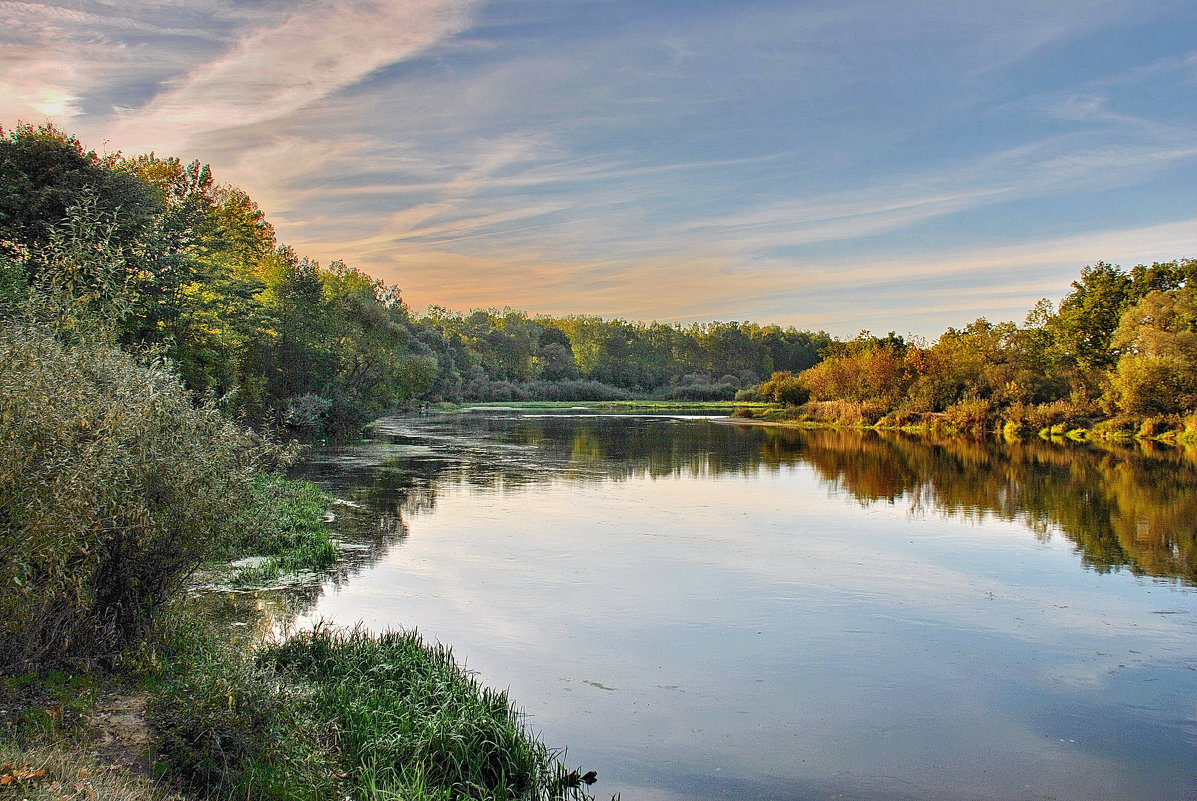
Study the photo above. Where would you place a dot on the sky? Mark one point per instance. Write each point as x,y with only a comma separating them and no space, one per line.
903,165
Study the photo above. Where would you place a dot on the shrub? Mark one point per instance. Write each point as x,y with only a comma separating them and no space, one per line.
1144,384
575,390
306,413
1121,426
1157,426
750,395
699,392
784,387
112,484
1035,418
845,413
974,415
902,418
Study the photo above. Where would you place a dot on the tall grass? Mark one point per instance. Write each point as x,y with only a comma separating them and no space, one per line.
411,723
227,727
333,712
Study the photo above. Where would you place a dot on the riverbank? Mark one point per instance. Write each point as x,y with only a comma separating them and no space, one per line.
631,406
117,491
1176,430
197,711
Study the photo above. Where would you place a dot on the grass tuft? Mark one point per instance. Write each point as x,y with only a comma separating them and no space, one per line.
411,723
335,712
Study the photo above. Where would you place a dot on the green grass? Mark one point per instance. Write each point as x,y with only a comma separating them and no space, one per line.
46,706
411,723
341,713
229,728
282,530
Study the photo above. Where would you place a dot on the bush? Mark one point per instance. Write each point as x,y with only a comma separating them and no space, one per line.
750,395
306,414
481,389
1121,426
1035,418
902,418
1153,385
112,484
785,387
1158,426
844,413
575,390
974,415
699,392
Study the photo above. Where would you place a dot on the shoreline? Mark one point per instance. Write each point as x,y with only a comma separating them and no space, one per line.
1078,436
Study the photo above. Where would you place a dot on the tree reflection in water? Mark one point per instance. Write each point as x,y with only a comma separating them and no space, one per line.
1124,507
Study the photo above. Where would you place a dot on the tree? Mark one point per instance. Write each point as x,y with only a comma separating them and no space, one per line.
865,369
1084,324
784,387
1157,339
45,171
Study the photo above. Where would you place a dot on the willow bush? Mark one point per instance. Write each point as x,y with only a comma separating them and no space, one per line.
113,486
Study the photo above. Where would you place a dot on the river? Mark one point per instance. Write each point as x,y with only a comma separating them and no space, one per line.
702,611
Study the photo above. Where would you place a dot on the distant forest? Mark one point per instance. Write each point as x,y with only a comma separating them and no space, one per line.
181,267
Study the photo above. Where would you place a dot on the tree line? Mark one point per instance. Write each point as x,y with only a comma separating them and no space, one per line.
186,267
1120,349
190,268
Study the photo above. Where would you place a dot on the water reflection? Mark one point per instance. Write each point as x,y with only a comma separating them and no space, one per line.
1123,509
1128,508
705,610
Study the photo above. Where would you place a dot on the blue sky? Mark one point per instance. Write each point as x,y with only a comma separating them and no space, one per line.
879,164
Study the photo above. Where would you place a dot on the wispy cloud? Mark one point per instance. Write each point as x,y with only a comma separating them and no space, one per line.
921,293
55,57
274,71
819,163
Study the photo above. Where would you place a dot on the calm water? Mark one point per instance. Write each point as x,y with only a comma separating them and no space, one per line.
700,611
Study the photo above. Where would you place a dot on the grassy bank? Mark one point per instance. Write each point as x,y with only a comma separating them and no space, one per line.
280,531
1054,421
326,714
115,488
332,713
